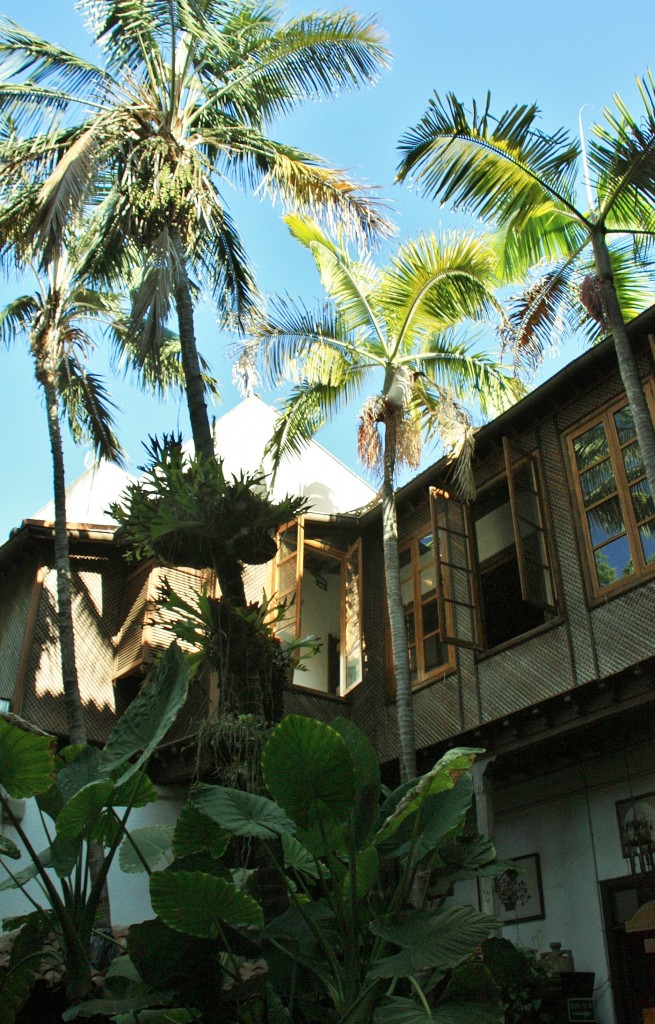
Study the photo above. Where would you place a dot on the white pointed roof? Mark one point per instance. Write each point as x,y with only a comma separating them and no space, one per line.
88,497
241,436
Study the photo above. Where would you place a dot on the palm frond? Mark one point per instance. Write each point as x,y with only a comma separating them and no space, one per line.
622,155
500,169
467,374
535,319
88,409
289,337
448,423
308,408
16,318
433,283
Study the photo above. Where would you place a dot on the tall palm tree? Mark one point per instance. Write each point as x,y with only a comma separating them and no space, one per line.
508,171
397,325
180,107
56,320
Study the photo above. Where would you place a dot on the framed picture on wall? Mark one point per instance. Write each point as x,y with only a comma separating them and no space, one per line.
636,819
519,890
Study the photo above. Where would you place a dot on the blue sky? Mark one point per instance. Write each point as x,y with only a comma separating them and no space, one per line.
567,56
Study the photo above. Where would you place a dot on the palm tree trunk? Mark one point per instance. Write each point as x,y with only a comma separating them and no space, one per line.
73,705
397,628
625,357
194,387
75,723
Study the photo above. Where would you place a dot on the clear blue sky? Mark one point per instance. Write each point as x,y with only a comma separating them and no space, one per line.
565,55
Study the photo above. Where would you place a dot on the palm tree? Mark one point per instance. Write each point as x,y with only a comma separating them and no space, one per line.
55,320
523,180
396,324
180,106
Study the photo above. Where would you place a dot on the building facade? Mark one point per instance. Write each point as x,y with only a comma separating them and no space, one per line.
530,620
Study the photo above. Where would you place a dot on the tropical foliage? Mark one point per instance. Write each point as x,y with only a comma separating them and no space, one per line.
84,796
394,329
181,103
505,169
58,321
347,945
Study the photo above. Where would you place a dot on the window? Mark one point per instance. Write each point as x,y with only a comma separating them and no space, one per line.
428,655
498,580
618,512
317,579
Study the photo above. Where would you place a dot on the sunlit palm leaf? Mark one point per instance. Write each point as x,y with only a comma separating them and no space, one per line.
309,407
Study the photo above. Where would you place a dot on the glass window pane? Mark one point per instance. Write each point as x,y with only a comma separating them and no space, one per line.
613,562
590,446
428,581
597,482
605,521
633,462
407,590
424,545
410,627
430,617
405,558
433,653
642,501
647,537
625,425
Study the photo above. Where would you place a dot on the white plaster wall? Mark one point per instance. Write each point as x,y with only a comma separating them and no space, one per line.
320,617
128,893
569,819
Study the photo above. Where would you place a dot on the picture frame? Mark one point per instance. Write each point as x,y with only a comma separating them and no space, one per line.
519,892
636,822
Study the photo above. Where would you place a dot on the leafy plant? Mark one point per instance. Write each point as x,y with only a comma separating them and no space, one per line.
355,940
87,795
185,511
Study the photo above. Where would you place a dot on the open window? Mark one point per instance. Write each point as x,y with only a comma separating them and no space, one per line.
429,654
496,575
318,581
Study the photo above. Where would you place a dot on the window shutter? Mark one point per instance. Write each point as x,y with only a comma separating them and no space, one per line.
288,580
530,535
351,612
457,592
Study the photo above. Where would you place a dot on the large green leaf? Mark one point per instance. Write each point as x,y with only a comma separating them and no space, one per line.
242,814
135,792
298,857
441,777
307,767
154,843
8,848
26,761
398,1010
439,815
199,904
367,870
431,938
82,766
28,872
367,772
195,832
149,716
65,854
79,817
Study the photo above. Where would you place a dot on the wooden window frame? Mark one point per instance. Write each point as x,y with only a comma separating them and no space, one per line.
642,570
423,677
449,606
341,556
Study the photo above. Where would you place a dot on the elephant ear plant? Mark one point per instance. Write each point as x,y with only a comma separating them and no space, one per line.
84,796
352,944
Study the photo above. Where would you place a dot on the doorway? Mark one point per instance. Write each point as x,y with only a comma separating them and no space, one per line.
631,901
